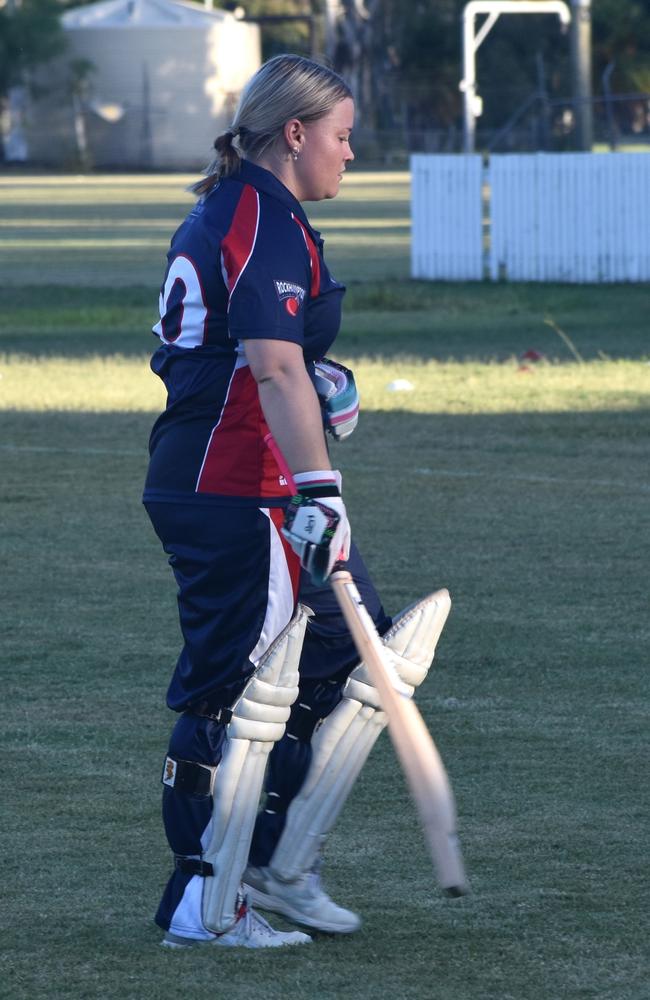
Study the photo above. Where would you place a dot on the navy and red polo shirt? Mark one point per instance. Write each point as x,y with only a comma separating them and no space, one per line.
245,263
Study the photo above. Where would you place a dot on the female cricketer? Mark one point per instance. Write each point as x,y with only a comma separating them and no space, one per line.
241,493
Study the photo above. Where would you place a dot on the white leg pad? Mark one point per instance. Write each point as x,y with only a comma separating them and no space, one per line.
258,721
341,745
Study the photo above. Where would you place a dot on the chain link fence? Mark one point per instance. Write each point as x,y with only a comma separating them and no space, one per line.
621,121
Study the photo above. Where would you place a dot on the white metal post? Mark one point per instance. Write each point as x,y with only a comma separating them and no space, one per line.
472,41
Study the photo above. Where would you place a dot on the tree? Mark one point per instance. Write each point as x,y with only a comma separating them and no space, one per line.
30,35
284,35
621,34
400,58
404,60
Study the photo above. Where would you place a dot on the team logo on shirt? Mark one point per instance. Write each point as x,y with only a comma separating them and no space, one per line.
291,294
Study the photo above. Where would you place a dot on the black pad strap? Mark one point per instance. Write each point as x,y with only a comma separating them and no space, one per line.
187,776
207,711
193,866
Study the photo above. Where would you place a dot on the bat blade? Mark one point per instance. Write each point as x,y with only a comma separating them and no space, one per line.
417,753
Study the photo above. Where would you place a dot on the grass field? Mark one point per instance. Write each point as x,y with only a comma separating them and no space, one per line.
523,487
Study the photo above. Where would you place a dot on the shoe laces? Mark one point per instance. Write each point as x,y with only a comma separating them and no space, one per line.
248,919
312,880
311,883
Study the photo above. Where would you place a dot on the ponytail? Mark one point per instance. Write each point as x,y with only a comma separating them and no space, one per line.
224,164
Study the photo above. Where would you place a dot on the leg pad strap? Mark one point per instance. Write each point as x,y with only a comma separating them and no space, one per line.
188,776
193,866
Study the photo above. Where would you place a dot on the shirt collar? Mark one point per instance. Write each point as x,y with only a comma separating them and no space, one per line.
264,180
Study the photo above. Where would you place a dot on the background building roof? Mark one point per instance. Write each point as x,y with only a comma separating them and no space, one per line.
141,13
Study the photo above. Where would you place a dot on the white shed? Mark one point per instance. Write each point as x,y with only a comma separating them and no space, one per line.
166,77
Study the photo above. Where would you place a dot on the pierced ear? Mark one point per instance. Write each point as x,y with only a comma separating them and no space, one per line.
293,133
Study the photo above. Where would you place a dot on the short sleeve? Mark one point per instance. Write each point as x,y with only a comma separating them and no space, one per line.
266,267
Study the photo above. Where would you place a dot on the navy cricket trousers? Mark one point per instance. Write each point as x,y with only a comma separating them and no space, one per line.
238,583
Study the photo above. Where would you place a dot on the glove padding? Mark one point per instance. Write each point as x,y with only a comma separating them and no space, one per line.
318,530
336,387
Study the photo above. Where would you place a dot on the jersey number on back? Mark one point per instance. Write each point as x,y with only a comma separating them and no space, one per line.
183,312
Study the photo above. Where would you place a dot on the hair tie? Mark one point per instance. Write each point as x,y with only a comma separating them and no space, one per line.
225,139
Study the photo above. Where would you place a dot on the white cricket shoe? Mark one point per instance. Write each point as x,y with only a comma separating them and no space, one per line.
249,931
304,901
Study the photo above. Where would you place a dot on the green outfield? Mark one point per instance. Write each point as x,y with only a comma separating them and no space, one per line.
521,485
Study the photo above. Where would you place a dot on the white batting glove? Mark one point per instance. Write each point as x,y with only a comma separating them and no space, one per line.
316,524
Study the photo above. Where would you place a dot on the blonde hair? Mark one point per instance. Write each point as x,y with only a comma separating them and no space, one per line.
285,87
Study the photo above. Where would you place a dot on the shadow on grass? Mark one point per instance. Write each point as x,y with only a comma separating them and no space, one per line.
602,444
425,320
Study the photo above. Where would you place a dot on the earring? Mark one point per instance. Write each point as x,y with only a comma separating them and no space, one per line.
294,153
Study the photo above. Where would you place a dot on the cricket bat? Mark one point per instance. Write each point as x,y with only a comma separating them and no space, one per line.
420,760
